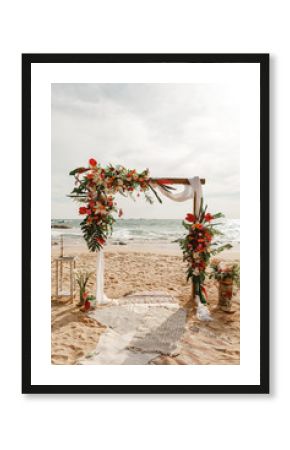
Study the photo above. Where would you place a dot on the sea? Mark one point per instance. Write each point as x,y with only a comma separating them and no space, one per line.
142,231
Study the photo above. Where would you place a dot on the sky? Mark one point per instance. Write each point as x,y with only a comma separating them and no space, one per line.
174,130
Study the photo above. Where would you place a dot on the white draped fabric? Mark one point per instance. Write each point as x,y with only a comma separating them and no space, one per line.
191,191
101,297
194,188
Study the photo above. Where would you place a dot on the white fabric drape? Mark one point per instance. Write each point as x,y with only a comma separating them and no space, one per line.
193,189
101,298
202,311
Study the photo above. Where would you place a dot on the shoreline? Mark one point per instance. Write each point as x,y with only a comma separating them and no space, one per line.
141,248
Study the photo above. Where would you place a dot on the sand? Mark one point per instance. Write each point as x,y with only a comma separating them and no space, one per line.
130,269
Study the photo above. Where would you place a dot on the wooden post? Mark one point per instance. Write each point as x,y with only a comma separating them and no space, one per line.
56,278
194,207
71,279
74,279
61,266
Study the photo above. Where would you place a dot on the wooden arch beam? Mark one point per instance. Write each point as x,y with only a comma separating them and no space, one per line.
177,180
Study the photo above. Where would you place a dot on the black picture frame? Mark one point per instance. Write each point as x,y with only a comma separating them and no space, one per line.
27,61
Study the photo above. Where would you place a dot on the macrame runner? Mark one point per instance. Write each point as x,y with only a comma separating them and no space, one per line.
191,191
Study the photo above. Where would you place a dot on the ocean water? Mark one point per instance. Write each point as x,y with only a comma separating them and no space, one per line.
149,231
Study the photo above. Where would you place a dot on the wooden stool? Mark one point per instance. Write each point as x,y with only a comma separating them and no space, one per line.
59,264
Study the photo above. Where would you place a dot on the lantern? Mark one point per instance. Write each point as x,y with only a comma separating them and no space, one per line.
64,275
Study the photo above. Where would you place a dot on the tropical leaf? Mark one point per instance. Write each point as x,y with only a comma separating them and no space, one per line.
155,193
77,170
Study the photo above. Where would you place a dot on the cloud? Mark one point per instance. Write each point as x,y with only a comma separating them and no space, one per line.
173,129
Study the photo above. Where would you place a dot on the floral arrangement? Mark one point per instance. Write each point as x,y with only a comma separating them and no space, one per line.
96,187
221,271
88,301
197,247
82,279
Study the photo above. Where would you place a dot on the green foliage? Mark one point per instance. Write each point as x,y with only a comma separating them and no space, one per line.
221,272
97,187
82,277
197,246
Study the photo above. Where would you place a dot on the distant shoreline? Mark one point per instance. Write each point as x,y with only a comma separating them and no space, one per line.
58,226
145,248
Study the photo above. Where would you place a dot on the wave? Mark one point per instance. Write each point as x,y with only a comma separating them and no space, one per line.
138,230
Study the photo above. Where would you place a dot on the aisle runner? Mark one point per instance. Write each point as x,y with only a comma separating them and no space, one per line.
140,328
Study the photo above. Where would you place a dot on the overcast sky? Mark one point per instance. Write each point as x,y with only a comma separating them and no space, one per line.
175,130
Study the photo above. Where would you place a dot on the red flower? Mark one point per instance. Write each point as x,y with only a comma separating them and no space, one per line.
92,204
87,305
85,294
201,265
83,210
190,218
93,162
88,212
208,236
90,176
208,217
100,240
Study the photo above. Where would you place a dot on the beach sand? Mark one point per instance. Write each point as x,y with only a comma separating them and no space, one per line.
134,268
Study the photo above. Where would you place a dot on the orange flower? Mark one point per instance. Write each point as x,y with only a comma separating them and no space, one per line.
197,226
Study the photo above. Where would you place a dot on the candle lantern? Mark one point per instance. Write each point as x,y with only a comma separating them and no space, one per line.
64,275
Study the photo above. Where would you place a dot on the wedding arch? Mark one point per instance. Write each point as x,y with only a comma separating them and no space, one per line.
97,186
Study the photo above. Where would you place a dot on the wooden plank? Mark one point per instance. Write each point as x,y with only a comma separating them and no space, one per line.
71,280
170,181
177,180
56,278
193,285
